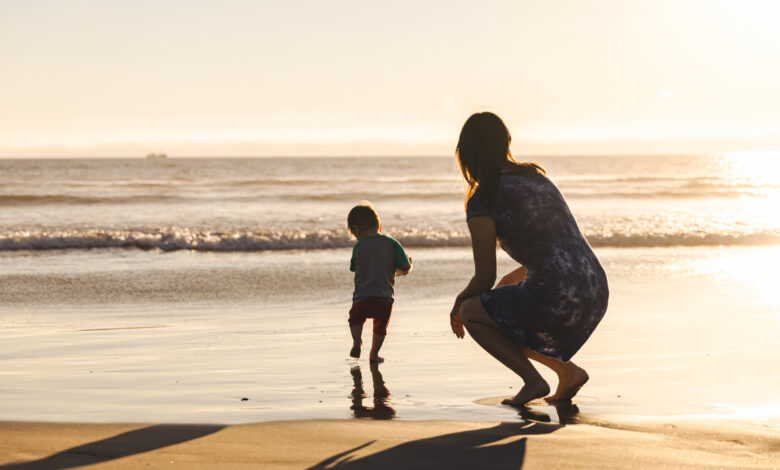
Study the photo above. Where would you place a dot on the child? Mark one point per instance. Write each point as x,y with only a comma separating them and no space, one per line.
376,260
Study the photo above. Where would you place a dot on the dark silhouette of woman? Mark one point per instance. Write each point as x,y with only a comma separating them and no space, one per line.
547,308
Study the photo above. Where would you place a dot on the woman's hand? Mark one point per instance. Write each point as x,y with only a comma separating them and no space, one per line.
455,323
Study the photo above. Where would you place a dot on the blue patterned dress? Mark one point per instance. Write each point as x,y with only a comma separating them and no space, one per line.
565,293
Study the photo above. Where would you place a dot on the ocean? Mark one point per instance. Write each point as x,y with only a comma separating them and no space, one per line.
261,204
216,290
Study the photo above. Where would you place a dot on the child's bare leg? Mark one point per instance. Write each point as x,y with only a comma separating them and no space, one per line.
376,344
571,377
357,341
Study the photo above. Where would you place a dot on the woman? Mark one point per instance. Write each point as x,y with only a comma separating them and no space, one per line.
547,308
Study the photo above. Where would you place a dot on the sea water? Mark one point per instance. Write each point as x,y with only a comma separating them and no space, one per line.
225,204
216,290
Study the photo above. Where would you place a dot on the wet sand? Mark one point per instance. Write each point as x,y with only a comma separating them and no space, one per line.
187,337
371,444
129,336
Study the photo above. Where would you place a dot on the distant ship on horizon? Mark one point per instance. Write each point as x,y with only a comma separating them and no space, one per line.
156,155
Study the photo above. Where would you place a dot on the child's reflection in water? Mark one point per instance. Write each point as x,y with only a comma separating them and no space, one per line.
382,408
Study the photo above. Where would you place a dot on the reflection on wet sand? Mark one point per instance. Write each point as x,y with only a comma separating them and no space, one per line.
568,413
381,408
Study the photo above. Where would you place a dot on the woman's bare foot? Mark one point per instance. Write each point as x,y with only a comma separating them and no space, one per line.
570,380
376,360
527,393
355,352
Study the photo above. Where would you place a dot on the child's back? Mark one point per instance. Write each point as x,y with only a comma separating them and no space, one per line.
375,260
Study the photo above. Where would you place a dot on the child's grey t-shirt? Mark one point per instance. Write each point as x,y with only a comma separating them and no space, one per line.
374,260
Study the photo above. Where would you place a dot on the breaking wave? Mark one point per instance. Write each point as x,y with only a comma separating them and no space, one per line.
258,241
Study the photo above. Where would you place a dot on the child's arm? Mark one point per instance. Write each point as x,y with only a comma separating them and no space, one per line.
405,269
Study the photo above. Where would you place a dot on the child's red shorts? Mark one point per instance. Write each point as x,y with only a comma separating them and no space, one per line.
378,308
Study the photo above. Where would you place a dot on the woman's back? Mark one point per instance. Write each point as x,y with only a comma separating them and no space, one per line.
536,228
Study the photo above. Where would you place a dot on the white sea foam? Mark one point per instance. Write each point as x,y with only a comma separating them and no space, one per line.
195,240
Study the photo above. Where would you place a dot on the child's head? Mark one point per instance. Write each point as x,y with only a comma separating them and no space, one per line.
363,218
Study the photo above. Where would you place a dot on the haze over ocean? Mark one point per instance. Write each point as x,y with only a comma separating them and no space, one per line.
171,289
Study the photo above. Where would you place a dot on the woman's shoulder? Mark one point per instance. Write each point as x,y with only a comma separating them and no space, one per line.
525,169
529,179
514,179
477,206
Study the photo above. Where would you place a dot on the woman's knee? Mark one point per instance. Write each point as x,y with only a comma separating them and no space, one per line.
472,311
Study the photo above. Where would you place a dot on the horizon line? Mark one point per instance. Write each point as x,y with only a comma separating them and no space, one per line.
301,156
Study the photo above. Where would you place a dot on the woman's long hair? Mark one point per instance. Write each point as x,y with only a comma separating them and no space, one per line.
483,151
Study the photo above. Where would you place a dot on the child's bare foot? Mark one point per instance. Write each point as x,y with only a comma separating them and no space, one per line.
376,360
355,352
570,381
528,393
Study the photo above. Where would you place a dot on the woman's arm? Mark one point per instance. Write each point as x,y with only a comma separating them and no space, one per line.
514,277
483,245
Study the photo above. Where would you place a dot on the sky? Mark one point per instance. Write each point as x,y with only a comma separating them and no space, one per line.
255,78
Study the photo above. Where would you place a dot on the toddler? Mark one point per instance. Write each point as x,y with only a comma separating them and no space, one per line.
376,260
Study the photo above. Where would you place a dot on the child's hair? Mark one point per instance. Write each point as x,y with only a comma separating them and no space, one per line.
363,216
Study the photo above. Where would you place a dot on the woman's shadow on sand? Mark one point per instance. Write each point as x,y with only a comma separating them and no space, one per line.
481,448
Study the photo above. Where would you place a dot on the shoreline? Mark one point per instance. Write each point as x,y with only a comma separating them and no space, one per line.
361,443
184,338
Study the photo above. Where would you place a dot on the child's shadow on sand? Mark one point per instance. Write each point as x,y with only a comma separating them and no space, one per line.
381,408
126,444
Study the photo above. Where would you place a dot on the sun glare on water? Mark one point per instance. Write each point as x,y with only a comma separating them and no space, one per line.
755,271
755,274
760,168
757,174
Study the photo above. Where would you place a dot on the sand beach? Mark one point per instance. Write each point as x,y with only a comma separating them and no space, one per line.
370,444
216,344
70,383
